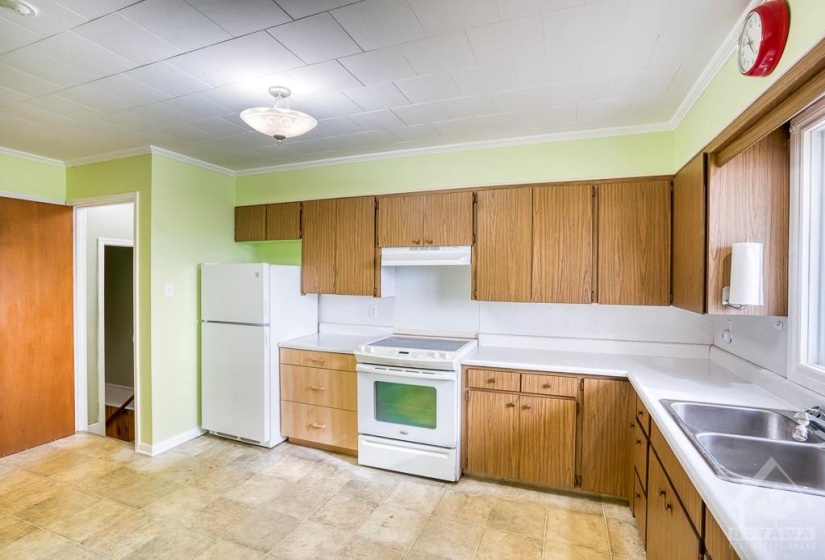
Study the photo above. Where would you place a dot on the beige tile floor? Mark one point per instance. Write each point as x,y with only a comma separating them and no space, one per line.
87,497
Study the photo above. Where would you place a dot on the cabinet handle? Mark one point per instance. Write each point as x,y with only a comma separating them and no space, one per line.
428,241
491,380
313,388
547,386
668,506
638,496
638,442
527,407
318,426
511,404
316,360
640,414
416,242
662,493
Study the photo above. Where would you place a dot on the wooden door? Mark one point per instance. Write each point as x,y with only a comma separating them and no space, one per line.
749,200
634,243
502,259
355,248
670,535
689,236
547,435
448,219
492,434
250,223
563,244
604,436
716,542
36,338
283,221
318,247
400,221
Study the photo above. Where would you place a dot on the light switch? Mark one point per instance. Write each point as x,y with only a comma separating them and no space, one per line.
168,289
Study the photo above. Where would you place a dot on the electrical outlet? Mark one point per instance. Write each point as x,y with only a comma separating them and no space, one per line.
373,311
169,289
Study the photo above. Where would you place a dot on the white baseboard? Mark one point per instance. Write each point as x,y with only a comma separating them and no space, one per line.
169,443
97,428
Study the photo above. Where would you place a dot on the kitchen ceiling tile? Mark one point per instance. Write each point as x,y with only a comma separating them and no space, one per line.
379,67
24,83
335,126
327,106
52,18
470,106
374,98
315,39
421,113
218,127
130,121
631,54
320,78
303,8
162,115
646,82
440,16
439,54
96,9
486,78
175,22
130,91
239,59
252,93
415,132
516,39
73,50
47,67
240,17
513,9
377,120
580,91
168,79
194,107
379,23
526,99
126,39
13,36
9,97
429,88
89,95
545,71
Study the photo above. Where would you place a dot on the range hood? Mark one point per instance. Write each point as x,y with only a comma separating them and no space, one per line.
426,256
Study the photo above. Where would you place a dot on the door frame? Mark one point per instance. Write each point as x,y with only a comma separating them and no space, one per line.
80,315
102,242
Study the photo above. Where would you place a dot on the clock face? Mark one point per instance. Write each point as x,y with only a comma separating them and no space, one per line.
750,40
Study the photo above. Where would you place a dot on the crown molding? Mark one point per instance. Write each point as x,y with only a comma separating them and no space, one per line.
464,146
31,157
108,156
33,198
155,150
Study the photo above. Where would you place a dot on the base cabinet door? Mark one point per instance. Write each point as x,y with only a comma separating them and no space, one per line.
671,535
493,438
547,441
604,447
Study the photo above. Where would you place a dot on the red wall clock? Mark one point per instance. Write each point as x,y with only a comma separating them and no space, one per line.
763,37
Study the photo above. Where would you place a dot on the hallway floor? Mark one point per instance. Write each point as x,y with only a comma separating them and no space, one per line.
89,497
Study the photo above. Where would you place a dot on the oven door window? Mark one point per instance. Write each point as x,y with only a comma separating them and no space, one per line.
403,404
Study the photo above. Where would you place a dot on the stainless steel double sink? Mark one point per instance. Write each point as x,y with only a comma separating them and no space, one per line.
753,445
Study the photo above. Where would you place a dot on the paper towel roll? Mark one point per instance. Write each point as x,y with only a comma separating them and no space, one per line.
746,274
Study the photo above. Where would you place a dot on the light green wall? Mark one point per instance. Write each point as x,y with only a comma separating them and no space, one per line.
595,158
32,178
192,222
276,252
730,93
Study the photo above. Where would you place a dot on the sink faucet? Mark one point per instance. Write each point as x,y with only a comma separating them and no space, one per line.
810,416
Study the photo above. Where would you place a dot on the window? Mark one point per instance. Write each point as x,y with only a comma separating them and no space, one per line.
807,272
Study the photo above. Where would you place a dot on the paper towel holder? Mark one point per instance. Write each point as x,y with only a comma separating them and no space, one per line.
745,276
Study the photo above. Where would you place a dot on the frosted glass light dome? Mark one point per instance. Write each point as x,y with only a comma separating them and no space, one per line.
279,121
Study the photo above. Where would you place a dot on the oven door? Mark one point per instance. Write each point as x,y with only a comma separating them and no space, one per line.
407,404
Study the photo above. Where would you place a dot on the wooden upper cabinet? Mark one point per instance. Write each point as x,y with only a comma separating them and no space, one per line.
355,248
604,436
318,249
425,220
250,223
563,244
689,236
634,243
283,221
338,249
749,200
502,259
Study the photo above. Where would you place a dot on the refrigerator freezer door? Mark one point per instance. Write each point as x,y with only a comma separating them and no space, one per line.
236,381
235,293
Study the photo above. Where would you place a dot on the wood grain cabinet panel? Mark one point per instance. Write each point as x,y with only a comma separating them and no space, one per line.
690,498
283,221
325,360
749,200
604,446
250,223
640,453
547,441
448,219
502,258
318,424
634,243
639,506
717,544
671,535
319,247
554,385
493,440
689,236
400,221
563,244
322,387
355,249
493,379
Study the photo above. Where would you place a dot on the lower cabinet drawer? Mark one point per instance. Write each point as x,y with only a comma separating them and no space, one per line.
320,424
640,508
640,454
321,387
555,385
493,379
325,360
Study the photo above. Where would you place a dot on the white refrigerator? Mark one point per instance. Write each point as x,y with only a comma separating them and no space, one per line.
246,310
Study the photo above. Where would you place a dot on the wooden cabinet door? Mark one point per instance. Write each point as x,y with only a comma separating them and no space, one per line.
448,219
604,436
689,238
634,243
670,535
400,220
547,435
502,259
283,221
563,244
492,434
318,249
716,542
355,249
250,223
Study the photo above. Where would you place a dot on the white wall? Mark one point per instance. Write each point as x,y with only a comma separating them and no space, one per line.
114,222
756,339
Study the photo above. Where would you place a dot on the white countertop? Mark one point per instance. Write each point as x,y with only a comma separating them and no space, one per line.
328,342
772,524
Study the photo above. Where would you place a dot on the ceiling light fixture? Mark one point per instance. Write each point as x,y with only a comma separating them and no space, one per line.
19,7
279,121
